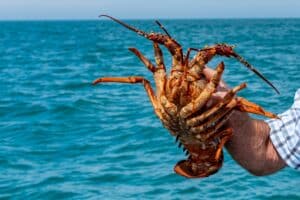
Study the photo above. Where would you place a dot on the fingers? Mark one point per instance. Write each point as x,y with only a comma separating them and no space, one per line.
216,98
221,89
208,73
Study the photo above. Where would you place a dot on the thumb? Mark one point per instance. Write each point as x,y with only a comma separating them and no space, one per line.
208,73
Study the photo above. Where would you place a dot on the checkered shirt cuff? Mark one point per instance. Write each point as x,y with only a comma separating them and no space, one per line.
285,134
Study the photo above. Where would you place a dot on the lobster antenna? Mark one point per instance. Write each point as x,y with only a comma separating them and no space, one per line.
142,33
162,27
249,66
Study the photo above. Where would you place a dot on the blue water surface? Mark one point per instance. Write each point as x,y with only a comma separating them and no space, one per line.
62,138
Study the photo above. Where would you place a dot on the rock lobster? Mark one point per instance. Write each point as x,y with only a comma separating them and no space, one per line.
180,100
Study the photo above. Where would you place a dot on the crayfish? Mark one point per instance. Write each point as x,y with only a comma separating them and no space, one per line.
180,100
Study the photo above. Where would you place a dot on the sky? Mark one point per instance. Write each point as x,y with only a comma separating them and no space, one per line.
139,9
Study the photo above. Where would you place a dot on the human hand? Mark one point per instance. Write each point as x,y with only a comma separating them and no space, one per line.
222,88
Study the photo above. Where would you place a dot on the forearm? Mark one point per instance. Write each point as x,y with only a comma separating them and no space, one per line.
251,146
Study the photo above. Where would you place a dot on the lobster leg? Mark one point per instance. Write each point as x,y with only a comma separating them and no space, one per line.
202,117
134,80
224,136
210,134
182,86
197,64
159,57
202,99
220,119
159,72
247,106
215,121
160,80
160,76
164,117
144,60
165,39
242,105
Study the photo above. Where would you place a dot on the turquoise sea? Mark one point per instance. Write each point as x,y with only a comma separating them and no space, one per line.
62,138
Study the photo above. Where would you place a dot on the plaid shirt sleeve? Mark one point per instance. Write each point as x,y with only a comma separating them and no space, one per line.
285,134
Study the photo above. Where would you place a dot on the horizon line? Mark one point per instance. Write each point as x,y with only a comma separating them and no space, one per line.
162,18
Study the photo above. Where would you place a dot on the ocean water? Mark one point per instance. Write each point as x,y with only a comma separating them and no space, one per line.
62,138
